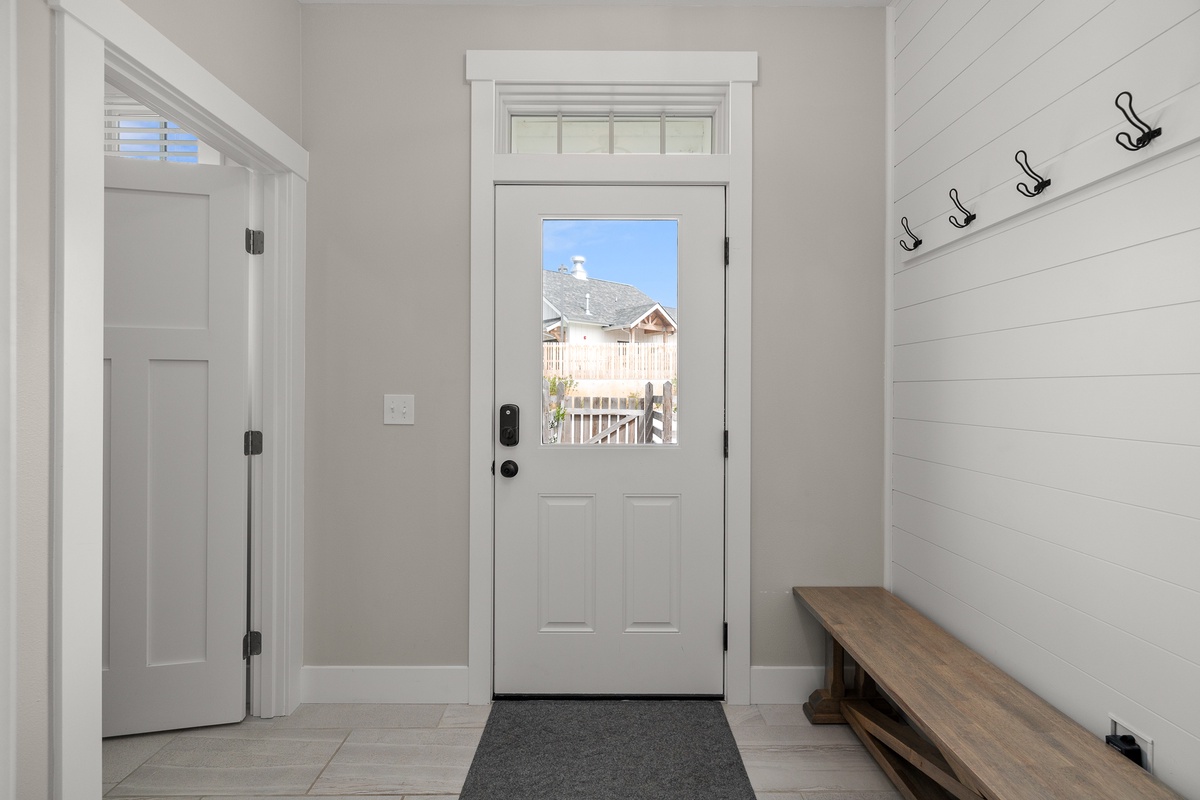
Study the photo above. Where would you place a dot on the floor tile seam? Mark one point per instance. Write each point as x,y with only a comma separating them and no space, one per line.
174,736
337,750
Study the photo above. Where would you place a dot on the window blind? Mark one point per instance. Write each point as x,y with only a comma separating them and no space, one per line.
131,130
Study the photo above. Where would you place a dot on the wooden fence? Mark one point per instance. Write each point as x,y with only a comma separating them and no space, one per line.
610,420
641,361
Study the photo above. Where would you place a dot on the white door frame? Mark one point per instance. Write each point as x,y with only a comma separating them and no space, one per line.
98,40
678,79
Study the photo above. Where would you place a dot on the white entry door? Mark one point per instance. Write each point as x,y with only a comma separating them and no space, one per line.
610,536
175,368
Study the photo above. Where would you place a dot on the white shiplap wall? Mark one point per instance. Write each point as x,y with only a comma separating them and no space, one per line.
1046,457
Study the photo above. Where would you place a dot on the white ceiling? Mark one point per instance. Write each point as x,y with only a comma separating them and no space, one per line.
811,3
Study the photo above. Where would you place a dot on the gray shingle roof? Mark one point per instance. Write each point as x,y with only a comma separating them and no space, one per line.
611,304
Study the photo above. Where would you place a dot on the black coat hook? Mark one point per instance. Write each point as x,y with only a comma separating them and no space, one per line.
1124,138
916,242
1040,183
968,216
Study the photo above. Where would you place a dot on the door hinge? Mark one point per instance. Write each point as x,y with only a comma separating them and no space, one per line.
254,242
725,638
727,251
727,444
251,644
252,443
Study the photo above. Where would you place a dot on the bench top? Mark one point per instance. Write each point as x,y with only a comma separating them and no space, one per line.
1007,739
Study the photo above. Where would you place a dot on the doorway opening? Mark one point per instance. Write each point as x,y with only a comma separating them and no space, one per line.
106,41
506,85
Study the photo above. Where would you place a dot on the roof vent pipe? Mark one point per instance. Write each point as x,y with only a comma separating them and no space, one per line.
578,271
587,303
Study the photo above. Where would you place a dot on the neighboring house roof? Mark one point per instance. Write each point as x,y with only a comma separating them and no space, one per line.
612,305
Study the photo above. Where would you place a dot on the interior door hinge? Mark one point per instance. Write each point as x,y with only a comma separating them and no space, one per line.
725,638
727,251
254,242
252,443
727,444
251,644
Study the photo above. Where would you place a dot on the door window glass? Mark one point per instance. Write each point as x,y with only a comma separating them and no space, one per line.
610,331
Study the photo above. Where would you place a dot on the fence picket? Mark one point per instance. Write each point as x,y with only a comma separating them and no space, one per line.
611,360
612,420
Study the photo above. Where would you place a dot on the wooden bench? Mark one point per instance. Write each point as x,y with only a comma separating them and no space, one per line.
965,729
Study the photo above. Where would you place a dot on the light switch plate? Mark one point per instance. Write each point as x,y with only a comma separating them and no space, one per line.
398,409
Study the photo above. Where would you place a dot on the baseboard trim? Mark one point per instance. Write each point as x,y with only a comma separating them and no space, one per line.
769,685
383,684
784,685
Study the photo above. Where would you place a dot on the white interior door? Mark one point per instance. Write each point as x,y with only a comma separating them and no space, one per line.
175,360
610,553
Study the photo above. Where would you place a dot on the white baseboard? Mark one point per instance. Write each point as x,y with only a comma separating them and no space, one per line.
784,685
768,685
383,684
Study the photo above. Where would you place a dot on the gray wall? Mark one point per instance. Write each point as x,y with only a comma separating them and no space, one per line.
255,48
1047,368
387,124
252,47
388,262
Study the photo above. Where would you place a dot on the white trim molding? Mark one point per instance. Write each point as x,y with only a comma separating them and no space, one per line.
778,3
147,66
552,80
77,509
101,40
627,68
383,684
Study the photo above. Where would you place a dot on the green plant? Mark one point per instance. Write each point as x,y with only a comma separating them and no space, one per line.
557,415
555,385
567,384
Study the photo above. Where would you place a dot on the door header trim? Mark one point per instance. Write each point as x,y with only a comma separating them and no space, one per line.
632,67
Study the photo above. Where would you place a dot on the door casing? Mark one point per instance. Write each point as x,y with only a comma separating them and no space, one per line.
731,75
98,40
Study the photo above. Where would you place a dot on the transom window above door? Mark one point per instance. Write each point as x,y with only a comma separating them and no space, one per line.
642,119
611,133
131,130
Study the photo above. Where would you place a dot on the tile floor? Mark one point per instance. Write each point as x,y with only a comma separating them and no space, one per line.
423,751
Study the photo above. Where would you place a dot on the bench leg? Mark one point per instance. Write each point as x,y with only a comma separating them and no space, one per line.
824,706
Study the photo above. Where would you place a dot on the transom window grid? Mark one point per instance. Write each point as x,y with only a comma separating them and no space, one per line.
611,134
626,119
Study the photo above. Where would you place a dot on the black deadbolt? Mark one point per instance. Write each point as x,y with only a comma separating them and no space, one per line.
508,469
510,425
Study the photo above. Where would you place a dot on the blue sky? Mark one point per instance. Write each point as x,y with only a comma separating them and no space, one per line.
641,252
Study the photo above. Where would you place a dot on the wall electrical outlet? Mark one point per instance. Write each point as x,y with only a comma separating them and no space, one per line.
398,409
1119,728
